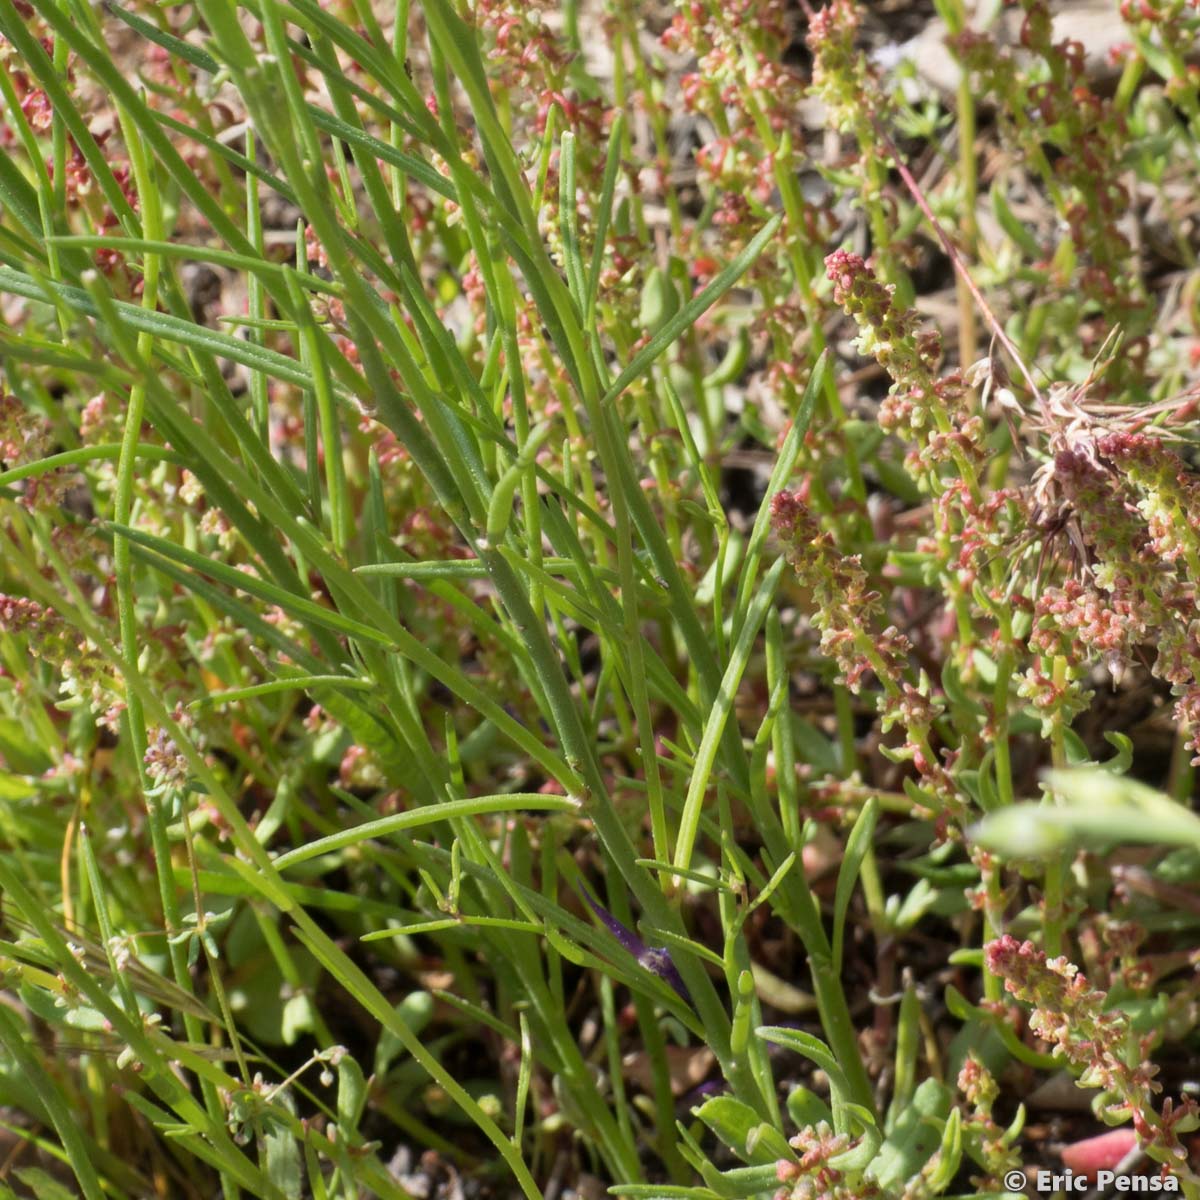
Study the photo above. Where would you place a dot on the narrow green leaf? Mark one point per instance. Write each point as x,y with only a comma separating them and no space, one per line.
1097,808
780,474
714,726
430,815
84,454
160,325
857,846
694,309
66,1125
298,606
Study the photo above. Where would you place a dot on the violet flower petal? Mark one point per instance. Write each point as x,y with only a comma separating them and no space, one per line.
655,959
704,1091
658,959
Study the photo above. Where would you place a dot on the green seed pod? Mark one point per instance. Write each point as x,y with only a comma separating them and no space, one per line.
416,1010
730,368
743,1010
660,301
501,505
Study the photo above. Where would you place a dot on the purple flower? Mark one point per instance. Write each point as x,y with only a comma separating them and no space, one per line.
702,1092
653,958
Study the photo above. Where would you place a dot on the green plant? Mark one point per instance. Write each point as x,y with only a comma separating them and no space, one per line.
415,741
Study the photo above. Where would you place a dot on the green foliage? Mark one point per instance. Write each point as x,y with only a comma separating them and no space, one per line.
474,667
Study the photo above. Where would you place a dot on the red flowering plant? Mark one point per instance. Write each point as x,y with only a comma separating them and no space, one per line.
1100,1047
1076,561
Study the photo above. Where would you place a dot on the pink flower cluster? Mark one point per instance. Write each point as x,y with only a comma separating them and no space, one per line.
921,407
842,76
844,605
48,637
984,1139
848,612
1134,509
1099,1046
813,1177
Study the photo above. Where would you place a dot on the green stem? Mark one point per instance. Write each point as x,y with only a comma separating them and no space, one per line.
1053,915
